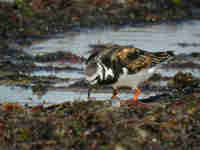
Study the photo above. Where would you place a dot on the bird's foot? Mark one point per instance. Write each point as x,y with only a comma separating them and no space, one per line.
92,98
116,102
132,103
116,98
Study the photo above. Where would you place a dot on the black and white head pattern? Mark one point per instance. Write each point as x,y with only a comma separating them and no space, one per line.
96,72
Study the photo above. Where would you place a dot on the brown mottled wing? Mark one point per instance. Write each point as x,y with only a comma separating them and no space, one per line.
135,59
159,57
100,51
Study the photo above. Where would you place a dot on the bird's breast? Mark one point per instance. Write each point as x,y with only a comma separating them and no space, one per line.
133,80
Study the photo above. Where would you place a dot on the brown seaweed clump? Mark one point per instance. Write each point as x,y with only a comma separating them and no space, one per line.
172,124
182,80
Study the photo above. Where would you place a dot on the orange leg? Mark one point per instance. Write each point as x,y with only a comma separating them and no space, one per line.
136,95
115,93
135,101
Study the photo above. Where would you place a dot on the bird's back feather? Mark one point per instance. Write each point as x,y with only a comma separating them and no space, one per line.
134,59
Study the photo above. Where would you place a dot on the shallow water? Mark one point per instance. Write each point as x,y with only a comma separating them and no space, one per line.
149,37
166,36
26,96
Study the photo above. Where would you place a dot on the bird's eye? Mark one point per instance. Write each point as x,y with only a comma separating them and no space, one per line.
95,79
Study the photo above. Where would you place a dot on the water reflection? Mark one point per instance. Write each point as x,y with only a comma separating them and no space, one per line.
150,37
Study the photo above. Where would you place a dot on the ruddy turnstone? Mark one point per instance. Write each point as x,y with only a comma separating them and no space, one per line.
119,66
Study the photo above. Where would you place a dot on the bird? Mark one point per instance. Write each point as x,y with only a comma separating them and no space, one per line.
122,66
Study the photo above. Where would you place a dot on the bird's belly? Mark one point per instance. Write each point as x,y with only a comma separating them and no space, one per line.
133,80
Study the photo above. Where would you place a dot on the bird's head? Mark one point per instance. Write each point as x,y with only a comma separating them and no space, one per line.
93,72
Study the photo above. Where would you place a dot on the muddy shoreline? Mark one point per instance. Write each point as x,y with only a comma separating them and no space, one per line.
167,124
170,121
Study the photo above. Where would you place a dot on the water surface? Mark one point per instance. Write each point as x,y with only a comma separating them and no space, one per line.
182,37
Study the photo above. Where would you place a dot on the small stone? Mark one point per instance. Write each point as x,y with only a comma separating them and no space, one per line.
154,140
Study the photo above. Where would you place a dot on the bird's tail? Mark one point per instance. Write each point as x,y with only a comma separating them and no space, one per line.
170,53
165,57
171,57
